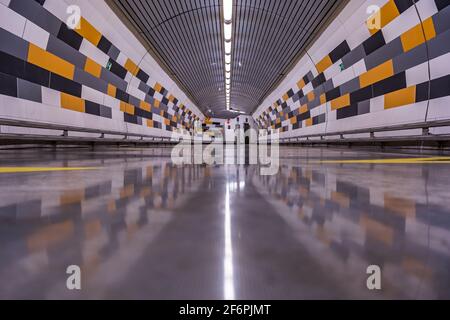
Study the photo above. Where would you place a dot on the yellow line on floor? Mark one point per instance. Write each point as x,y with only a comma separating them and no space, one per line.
391,161
40,169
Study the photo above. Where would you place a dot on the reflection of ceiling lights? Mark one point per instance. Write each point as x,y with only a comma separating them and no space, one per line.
228,36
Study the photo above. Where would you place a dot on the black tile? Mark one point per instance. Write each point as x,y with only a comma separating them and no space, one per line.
11,65
317,81
403,5
92,108
440,87
143,113
422,91
375,42
117,69
8,85
304,116
347,112
361,95
441,4
340,51
130,118
36,74
296,126
175,101
290,93
65,85
122,95
391,84
333,94
141,75
104,45
41,2
306,79
70,37
165,101
151,92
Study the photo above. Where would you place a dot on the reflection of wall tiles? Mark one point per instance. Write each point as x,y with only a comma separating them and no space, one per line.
381,64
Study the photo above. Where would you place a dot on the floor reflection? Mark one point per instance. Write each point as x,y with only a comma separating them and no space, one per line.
141,227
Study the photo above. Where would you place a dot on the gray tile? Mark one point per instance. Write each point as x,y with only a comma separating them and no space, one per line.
29,91
388,51
410,59
442,20
353,56
66,52
13,45
350,86
110,77
134,101
37,14
113,52
90,81
439,45
105,112
364,107
328,85
143,87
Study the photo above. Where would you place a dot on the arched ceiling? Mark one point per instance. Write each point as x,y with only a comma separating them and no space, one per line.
269,36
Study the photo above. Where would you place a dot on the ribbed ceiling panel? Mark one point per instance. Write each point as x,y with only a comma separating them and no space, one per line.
268,36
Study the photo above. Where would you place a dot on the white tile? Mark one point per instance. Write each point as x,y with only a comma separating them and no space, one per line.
11,21
36,35
440,66
89,50
417,74
51,97
401,24
92,95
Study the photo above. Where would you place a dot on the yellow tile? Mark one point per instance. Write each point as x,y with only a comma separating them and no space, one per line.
377,74
157,87
171,98
428,27
309,122
301,84
412,38
131,67
50,62
126,108
324,64
145,106
88,32
311,96
93,68
72,103
399,98
156,103
112,90
303,109
167,122
285,97
293,120
323,98
341,102
388,13
150,123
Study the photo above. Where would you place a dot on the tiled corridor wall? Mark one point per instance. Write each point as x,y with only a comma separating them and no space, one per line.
97,76
356,77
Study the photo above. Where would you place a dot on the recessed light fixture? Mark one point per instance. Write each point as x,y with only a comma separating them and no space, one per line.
228,36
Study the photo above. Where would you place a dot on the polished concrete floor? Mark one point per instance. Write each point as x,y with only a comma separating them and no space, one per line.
140,227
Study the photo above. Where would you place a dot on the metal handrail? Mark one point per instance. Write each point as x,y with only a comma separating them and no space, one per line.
425,126
66,129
